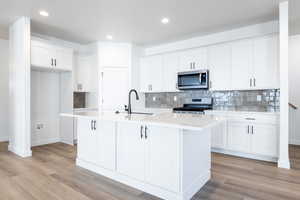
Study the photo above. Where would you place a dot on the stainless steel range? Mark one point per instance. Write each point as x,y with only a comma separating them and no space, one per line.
196,106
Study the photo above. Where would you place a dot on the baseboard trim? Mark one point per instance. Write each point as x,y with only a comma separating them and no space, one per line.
4,138
44,141
20,152
194,187
245,155
285,164
143,186
295,142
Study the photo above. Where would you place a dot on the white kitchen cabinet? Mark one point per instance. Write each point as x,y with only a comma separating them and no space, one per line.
266,65
106,140
264,140
51,57
170,69
219,135
87,135
220,67
193,59
114,88
151,74
162,157
131,150
238,137
242,61
63,59
86,74
114,55
41,55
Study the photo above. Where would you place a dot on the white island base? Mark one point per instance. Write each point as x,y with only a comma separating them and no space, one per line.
158,158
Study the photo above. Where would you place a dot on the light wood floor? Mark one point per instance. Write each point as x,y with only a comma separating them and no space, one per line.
51,174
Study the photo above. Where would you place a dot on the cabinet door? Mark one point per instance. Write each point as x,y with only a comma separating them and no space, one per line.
193,59
264,140
242,59
87,141
41,55
200,58
266,66
64,59
151,74
220,67
170,69
238,137
186,60
162,157
83,73
107,144
114,88
130,150
219,136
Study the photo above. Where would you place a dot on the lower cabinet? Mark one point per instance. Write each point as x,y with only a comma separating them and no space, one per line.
238,137
246,134
219,135
96,142
162,157
146,152
87,140
264,140
131,150
254,138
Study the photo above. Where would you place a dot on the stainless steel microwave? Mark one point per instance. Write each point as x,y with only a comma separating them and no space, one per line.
192,80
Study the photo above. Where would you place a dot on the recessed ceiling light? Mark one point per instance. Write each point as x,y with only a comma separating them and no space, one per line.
165,20
109,37
44,13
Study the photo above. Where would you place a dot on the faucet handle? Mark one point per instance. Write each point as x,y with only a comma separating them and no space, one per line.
126,107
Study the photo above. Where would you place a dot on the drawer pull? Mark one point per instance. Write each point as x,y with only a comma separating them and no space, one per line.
248,118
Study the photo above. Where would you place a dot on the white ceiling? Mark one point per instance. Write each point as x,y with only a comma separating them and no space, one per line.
138,21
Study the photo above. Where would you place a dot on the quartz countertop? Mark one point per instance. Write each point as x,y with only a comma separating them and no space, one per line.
168,119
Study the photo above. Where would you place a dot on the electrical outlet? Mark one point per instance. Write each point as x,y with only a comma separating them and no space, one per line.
258,97
154,98
175,98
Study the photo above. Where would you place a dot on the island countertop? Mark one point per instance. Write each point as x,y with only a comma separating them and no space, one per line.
168,119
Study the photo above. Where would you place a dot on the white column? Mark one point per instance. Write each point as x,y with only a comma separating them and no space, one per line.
19,87
284,161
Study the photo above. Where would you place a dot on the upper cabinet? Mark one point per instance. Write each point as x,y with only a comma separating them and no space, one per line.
193,59
51,57
249,64
114,55
266,63
151,74
219,57
255,64
170,69
242,61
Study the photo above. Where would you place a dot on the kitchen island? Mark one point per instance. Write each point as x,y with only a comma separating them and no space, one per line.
167,155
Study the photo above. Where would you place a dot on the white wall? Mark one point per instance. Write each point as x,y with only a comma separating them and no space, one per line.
294,93
45,107
4,57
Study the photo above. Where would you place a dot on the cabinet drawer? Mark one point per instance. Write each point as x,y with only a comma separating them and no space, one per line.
254,118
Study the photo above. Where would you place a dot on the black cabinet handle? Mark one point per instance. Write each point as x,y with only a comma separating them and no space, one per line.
92,125
252,130
248,129
146,129
51,61
55,62
95,125
141,131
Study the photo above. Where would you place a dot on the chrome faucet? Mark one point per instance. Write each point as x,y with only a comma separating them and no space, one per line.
129,100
